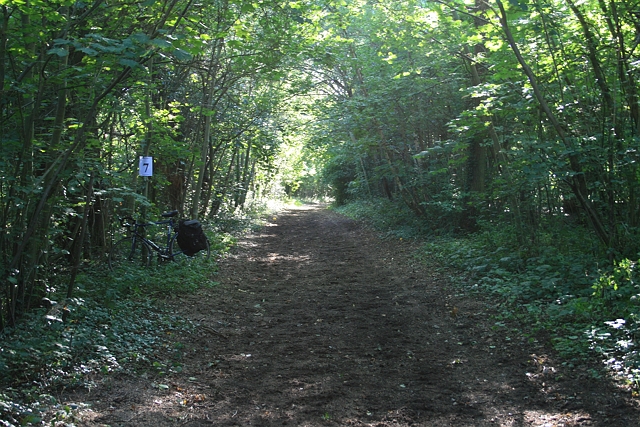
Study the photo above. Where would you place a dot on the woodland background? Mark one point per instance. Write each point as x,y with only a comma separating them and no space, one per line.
506,134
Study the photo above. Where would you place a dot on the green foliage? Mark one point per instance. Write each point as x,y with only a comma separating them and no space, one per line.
183,275
198,89
557,287
167,279
418,114
338,173
393,219
429,107
43,352
113,324
618,289
617,343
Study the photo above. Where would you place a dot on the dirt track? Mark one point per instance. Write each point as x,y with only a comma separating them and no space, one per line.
318,322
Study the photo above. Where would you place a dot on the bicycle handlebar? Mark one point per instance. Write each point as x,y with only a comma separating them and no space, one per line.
127,221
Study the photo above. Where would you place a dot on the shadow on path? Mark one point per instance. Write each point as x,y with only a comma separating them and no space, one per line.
318,322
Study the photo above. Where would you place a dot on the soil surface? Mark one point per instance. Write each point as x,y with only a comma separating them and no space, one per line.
319,322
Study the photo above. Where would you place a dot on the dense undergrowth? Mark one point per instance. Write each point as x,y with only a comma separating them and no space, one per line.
114,323
559,283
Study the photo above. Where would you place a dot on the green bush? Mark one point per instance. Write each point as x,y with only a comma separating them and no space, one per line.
394,219
44,353
557,286
112,324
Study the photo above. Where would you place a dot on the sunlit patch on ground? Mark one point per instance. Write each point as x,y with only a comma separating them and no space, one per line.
551,419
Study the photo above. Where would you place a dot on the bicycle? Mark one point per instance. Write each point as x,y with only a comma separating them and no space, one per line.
137,249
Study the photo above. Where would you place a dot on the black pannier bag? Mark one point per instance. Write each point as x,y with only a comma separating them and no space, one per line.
191,237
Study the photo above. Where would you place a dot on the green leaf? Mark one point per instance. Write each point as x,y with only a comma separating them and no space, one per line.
140,38
182,55
89,51
129,63
248,8
236,44
161,43
61,52
108,49
519,4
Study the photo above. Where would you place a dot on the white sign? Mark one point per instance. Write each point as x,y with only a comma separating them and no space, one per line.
146,166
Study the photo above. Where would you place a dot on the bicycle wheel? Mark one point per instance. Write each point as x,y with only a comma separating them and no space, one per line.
175,253
129,252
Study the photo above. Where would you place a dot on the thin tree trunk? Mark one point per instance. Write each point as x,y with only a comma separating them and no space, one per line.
77,250
600,77
577,182
207,109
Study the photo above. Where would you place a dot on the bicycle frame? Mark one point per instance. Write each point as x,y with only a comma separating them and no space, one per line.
137,236
136,243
